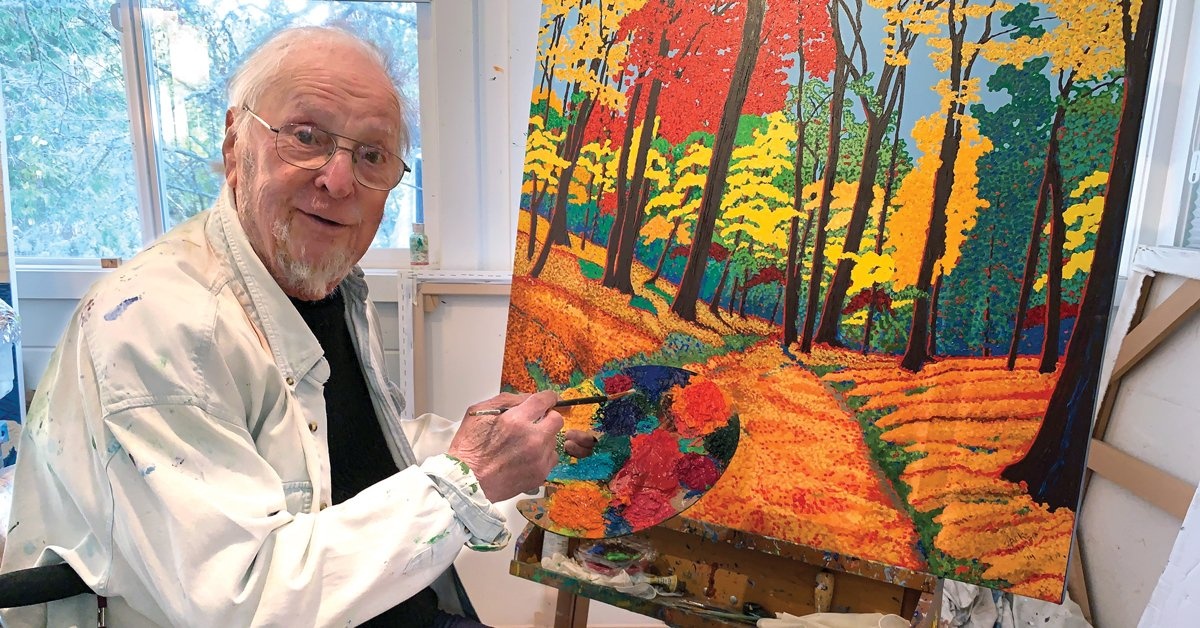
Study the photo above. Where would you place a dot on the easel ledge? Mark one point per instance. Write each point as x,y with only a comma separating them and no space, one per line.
724,568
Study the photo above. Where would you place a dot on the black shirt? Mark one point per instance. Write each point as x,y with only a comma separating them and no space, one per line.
358,453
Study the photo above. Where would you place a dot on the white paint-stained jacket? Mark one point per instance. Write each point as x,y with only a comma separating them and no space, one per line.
175,455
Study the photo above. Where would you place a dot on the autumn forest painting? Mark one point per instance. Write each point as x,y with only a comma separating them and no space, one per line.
888,230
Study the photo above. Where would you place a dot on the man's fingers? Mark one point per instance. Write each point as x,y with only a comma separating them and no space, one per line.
551,422
578,443
499,402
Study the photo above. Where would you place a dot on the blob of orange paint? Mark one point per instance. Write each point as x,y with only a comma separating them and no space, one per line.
699,408
579,506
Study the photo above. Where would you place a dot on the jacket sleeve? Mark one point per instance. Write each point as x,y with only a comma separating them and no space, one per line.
201,522
429,435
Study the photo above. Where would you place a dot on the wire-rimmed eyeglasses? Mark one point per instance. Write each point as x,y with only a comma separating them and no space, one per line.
311,147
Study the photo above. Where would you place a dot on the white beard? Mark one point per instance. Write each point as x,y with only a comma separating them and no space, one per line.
307,280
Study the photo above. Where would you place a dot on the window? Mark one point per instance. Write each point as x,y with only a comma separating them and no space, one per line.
115,112
1191,201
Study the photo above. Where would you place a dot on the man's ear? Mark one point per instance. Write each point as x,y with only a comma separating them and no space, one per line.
227,150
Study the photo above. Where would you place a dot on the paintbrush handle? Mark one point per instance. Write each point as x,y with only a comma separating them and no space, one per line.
579,401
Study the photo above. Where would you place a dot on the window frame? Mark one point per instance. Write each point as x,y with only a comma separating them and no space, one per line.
126,17
1157,207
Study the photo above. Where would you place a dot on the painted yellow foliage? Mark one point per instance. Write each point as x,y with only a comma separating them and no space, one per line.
913,18
909,224
543,94
1086,40
657,227
753,203
935,14
542,162
569,50
870,268
1081,219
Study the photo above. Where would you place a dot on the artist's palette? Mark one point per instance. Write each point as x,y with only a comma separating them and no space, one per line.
658,451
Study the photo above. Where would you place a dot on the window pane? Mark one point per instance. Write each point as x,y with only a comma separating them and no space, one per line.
197,44
70,158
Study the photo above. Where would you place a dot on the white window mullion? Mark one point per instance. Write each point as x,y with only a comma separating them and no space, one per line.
127,18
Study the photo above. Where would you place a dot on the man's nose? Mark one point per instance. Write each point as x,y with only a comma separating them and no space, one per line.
337,175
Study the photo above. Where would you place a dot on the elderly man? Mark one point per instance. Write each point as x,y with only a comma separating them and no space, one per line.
214,442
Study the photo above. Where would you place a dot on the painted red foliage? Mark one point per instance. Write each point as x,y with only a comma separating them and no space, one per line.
691,47
871,296
1037,315
617,383
770,274
716,252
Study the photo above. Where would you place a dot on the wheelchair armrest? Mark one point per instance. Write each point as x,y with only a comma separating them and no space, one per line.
38,585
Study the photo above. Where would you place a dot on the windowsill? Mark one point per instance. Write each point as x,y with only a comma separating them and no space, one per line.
72,281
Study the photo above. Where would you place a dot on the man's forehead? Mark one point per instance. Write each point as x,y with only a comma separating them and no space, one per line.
379,125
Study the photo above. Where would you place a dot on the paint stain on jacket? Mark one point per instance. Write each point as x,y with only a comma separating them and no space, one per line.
116,312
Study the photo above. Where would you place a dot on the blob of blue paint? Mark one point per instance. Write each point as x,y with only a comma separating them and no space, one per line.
598,467
616,523
653,380
620,417
116,312
648,424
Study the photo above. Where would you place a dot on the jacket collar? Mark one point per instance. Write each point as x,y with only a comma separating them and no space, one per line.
294,348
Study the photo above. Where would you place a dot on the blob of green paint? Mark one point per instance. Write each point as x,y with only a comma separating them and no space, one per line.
722,442
618,447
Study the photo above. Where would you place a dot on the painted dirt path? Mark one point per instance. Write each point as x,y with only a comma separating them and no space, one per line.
793,427
948,432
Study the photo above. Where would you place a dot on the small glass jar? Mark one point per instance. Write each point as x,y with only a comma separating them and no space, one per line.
418,245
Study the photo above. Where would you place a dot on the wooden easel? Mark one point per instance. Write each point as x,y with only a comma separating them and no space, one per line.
1148,329
723,569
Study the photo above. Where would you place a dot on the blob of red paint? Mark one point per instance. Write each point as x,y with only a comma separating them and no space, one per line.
617,383
648,481
697,472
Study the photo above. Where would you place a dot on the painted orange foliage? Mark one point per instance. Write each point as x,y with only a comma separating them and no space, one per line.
962,448
793,428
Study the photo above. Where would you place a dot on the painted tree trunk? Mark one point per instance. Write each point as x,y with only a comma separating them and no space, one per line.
817,266
558,215
916,355
622,185
881,232
715,303
640,189
1030,273
877,125
662,259
790,285
1054,250
710,203
1053,467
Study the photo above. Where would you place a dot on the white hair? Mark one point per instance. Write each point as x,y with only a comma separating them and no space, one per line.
259,71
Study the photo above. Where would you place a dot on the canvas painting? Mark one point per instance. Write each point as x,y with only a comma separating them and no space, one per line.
887,230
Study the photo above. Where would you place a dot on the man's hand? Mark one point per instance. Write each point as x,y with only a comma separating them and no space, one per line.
510,453
579,443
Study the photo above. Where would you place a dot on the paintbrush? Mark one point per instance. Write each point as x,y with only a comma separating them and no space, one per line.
579,401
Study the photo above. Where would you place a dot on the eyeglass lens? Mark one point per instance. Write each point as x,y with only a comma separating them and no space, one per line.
311,147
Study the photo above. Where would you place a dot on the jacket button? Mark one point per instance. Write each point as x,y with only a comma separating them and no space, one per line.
312,427
291,381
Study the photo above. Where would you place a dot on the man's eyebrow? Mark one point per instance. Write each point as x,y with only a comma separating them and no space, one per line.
373,135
